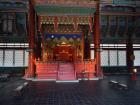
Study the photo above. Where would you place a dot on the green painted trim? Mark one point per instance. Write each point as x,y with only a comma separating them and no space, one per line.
64,10
12,69
13,39
122,2
126,2
114,69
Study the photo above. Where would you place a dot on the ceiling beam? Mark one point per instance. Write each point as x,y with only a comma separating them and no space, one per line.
120,13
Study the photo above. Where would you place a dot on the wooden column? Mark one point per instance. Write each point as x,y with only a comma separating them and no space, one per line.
130,57
97,42
31,65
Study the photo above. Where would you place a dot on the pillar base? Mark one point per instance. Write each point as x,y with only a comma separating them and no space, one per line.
133,77
28,74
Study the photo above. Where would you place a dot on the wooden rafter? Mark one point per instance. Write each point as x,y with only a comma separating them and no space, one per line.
126,26
135,27
117,26
13,5
108,26
120,13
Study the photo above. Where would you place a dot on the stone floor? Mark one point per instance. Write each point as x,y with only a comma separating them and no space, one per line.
82,93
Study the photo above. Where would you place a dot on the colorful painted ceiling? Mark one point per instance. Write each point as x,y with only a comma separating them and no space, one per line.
120,19
65,7
121,2
119,28
14,5
120,5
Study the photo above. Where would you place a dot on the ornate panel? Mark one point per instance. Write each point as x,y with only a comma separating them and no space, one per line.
104,58
64,20
26,58
122,58
18,57
52,41
1,57
8,61
137,58
113,57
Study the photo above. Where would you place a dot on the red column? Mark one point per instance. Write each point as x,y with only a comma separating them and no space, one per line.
31,65
97,42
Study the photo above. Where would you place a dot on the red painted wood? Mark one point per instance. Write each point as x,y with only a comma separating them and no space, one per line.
85,69
97,41
65,71
63,53
30,72
46,70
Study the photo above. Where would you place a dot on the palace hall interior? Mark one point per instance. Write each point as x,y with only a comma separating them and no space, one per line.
69,52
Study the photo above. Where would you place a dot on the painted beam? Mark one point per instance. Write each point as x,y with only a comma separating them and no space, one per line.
119,13
56,11
121,2
69,3
65,19
13,5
